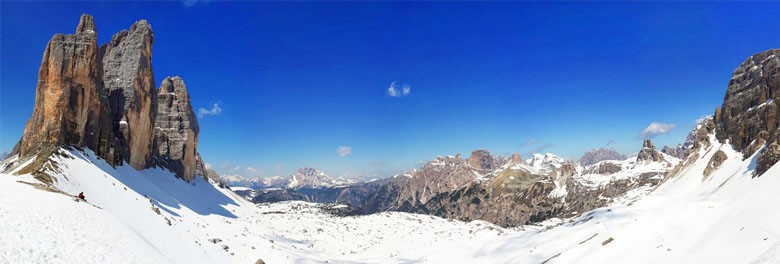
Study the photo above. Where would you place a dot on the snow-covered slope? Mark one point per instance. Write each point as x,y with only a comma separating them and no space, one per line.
543,163
43,226
727,217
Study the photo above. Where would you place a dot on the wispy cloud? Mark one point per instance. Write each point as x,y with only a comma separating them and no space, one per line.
533,146
528,143
250,169
215,110
611,142
655,129
191,3
344,151
398,89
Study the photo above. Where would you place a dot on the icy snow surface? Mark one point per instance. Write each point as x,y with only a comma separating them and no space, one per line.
727,218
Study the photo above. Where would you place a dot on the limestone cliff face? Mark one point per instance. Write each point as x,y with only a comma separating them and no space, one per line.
104,99
69,104
176,132
748,117
129,82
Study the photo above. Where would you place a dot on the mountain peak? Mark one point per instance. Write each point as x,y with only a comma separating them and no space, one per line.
86,24
596,155
481,159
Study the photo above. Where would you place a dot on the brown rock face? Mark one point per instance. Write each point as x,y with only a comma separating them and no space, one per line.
750,104
104,99
648,152
176,132
129,82
69,107
482,160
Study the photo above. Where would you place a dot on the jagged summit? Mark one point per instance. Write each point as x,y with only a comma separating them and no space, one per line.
142,25
105,99
86,24
648,152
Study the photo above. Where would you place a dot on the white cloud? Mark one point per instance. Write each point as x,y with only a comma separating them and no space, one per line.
208,165
528,143
344,151
655,129
250,169
397,89
215,110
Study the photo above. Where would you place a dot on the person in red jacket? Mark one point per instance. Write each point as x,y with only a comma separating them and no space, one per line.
81,196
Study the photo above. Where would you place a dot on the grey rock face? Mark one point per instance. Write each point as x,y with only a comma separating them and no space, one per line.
176,129
600,154
648,152
750,104
129,82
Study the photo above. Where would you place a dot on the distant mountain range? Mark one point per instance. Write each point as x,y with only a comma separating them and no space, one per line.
305,177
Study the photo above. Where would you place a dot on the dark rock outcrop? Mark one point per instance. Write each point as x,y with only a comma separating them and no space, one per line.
768,157
717,159
750,105
129,82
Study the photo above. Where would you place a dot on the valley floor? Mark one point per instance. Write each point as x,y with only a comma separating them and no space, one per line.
728,217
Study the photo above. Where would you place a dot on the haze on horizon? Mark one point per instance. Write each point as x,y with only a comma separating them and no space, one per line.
371,89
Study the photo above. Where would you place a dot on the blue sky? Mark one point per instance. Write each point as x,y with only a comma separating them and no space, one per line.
308,83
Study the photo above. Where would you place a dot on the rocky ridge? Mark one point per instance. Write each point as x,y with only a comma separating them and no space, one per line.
514,192
748,118
103,98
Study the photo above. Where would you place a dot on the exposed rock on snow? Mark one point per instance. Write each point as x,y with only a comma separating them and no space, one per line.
649,153
715,162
